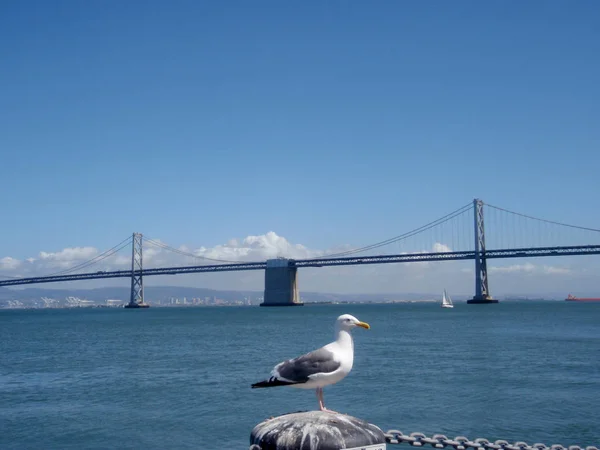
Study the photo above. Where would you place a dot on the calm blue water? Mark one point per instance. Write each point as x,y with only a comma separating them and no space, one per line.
180,378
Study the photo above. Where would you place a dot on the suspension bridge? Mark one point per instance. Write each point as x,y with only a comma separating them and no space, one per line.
459,235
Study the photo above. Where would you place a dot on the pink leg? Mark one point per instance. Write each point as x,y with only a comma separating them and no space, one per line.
322,401
320,398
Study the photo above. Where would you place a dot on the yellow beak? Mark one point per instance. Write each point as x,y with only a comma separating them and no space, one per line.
365,325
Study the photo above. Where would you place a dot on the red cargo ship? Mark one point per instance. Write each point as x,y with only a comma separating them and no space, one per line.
572,298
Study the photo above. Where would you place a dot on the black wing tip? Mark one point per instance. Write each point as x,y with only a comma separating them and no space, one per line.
271,382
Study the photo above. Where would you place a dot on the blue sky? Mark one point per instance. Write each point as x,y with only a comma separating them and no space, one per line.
328,123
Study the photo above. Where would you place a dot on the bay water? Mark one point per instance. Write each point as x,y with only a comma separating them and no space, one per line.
179,378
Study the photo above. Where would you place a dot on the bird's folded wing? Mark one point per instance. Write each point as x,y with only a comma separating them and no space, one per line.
298,370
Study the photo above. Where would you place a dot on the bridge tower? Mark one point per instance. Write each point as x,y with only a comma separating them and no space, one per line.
136,299
482,293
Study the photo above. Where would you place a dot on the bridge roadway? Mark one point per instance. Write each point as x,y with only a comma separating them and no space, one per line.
321,262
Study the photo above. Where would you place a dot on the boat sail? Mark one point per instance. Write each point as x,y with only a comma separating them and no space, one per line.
446,300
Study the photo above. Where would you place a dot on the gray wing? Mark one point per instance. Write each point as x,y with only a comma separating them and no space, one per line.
299,369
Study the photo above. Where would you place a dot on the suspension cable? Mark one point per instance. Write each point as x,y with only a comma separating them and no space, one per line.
544,220
111,251
400,237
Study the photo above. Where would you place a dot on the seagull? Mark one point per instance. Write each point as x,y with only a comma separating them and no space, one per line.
319,368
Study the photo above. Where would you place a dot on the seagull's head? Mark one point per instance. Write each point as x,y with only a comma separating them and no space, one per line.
347,322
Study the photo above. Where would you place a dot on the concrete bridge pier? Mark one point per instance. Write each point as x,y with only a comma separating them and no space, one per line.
281,284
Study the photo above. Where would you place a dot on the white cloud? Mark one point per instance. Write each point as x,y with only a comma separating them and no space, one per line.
441,248
257,248
530,268
527,268
8,263
251,248
551,270
70,254
67,257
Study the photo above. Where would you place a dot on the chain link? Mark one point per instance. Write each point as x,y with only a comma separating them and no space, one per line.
417,439
462,443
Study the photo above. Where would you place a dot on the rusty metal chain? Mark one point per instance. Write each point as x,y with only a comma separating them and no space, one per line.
462,443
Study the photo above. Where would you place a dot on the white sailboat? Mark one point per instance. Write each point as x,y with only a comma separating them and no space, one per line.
446,301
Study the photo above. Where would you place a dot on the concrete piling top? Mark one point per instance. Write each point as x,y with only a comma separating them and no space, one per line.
316,430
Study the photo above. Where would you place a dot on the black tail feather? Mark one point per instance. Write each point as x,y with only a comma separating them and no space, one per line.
271,382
